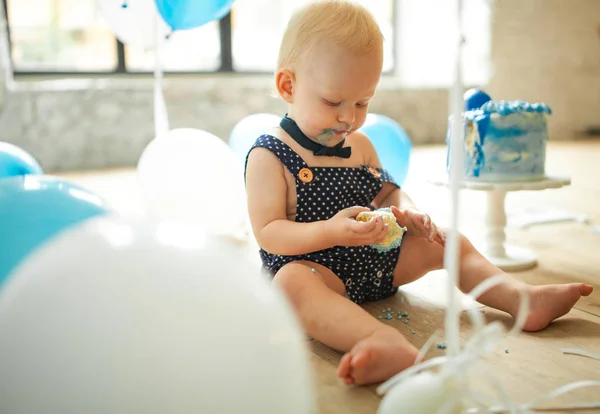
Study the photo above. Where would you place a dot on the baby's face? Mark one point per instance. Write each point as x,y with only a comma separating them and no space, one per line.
332,91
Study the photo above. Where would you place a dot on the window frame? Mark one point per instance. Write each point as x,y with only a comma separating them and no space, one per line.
226,66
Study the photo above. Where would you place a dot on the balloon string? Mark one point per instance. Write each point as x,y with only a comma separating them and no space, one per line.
161,117
580,352
452,249
5,59
481,342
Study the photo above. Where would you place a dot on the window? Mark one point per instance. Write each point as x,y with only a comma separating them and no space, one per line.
185,51
70,36
258,25
425,42
59,36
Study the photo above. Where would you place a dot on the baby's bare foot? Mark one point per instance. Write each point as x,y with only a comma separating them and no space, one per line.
377,358
548,302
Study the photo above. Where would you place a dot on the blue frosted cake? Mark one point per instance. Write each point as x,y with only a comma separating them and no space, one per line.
505,141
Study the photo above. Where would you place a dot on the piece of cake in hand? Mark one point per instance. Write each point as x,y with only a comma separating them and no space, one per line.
395,232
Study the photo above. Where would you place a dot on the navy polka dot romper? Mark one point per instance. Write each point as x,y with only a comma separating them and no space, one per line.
321,193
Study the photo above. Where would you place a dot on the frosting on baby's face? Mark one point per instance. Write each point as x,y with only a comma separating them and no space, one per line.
332,90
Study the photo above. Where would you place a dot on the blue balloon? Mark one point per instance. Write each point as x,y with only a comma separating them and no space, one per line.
244,133
474,98
36,208
392,144
16,161
189,14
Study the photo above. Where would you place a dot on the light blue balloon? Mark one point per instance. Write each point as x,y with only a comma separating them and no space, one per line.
392,144
244,133
189,14
16,161
36,208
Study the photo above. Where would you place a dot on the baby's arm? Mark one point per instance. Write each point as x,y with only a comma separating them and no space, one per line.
407,214
266,188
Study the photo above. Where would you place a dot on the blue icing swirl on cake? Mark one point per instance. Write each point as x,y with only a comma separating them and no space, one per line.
504,140
510,107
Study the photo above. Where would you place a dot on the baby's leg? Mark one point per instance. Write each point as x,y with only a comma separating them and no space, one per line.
378,351
548,302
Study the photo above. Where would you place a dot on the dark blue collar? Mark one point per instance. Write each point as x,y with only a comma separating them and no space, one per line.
293,130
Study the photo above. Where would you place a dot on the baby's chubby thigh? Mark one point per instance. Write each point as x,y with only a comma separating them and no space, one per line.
417,257
296,277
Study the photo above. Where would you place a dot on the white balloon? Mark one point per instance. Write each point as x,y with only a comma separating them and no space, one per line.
136,23
192,176
117,318
424,393
245,132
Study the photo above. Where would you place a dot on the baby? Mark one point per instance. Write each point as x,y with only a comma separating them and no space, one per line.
309,179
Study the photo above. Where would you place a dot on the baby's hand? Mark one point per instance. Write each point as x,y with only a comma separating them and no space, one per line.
346,231
419,224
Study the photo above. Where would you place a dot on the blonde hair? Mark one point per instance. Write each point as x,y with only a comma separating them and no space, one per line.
342,22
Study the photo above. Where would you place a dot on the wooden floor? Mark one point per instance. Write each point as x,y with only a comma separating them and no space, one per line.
567,252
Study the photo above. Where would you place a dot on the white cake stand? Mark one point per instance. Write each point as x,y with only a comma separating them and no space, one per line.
506,257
